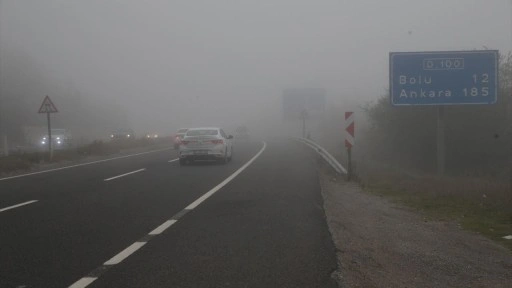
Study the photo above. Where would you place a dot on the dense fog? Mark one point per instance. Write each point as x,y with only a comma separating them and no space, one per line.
156,66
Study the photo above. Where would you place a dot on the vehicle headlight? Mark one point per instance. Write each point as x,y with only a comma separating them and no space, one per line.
59,142
156,135
58,138
112,136
128,135
43,142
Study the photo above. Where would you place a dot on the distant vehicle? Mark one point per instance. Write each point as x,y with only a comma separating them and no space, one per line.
178,137
241,133
122,134
60,139
152,136
206,144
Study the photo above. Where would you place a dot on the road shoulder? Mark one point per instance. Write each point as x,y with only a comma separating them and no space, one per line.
381,244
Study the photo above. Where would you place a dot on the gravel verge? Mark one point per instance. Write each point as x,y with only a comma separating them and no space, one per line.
382,244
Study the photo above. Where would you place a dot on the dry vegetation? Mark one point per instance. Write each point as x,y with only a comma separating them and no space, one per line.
482,205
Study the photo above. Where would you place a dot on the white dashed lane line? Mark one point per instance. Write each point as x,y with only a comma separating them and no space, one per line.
95,274
84,282
163,227
125,253
125,174
173,160
17,205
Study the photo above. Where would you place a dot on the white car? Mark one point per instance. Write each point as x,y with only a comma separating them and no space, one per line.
209,143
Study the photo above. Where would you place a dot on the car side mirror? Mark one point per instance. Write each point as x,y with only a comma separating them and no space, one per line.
230,137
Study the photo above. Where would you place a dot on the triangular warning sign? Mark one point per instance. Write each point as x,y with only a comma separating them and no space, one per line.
48,106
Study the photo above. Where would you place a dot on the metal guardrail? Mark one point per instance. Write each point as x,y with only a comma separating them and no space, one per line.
326,155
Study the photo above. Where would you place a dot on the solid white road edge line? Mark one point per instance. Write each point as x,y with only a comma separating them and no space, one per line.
84,282
163,227
226,181
173,160
125,174
18,205
84,164
125,253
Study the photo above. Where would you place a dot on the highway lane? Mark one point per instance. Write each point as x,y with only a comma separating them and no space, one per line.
80,219
265,228
47,184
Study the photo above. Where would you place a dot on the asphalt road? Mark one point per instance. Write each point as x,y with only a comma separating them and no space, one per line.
143,221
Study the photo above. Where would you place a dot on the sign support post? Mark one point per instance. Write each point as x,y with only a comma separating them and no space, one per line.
349,141
440,141
50,150
48,107
349,170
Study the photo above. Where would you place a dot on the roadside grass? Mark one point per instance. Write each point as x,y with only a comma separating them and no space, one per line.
13,163
25,161
480,205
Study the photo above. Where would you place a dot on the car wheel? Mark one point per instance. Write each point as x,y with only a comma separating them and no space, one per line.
183,161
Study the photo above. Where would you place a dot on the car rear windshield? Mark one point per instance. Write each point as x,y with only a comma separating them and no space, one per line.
205,132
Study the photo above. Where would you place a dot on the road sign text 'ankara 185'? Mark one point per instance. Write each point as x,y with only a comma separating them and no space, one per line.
443,78
349,129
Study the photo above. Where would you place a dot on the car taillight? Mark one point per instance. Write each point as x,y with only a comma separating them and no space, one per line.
217,141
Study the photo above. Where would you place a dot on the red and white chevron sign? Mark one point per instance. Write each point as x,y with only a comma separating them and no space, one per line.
349,129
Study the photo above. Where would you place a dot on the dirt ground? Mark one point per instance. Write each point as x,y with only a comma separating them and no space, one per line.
381,244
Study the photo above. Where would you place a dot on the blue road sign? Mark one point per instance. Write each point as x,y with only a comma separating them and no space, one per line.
443,78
